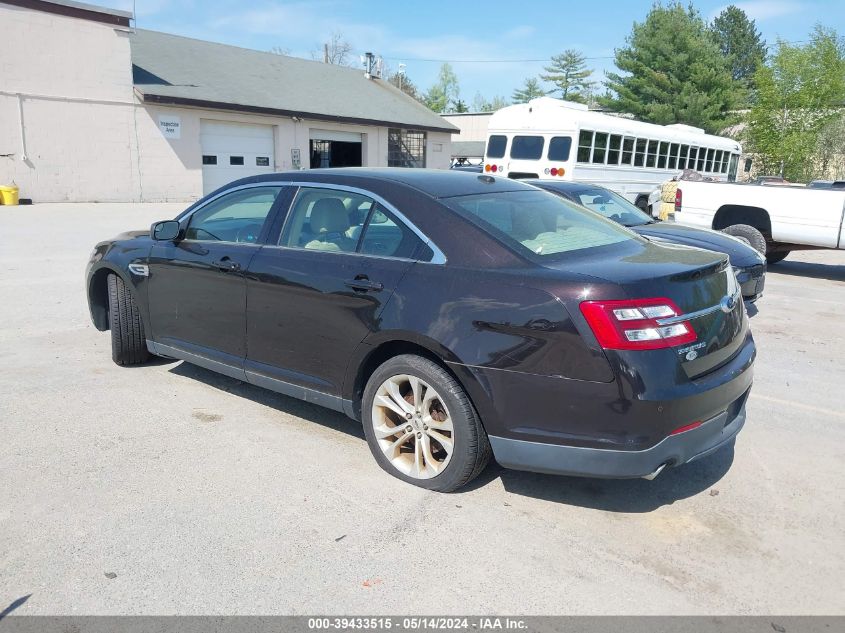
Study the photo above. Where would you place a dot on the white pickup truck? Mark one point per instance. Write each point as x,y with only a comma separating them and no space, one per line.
773,219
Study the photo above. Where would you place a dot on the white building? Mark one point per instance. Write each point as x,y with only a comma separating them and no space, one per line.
93,110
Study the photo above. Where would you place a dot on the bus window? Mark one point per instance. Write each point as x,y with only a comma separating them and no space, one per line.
527,147
717,161
702,154
613,149
627,150
496,146
600,147
693,155
559,148
708,166
672,162
639,156
651,156
662,154
682,158
585,146
732,167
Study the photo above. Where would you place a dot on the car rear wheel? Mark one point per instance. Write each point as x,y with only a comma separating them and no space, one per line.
777,256
128,342
421,426
749,235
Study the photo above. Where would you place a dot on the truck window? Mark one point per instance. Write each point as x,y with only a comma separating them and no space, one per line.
527,147
496,146
585,146
559,148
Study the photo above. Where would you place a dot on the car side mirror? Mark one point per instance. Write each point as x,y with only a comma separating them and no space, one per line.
167,230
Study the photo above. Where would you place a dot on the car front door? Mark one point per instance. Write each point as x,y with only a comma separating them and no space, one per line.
316,295
197,288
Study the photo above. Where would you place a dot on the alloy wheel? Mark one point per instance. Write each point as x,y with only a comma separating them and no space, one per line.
412,426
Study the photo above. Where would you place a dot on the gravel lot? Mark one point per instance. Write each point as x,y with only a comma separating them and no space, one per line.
167,489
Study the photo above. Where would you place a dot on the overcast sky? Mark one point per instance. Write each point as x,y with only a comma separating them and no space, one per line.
474,35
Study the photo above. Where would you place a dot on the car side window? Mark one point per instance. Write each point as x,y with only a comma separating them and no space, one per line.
386,236
326,220
234,217
346,222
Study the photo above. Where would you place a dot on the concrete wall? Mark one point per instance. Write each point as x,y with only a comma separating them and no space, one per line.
473,126
66,106
73,129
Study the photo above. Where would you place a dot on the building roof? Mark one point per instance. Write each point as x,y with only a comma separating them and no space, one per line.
176,70
73,9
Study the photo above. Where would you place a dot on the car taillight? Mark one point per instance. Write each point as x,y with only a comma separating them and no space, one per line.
634,324
679,198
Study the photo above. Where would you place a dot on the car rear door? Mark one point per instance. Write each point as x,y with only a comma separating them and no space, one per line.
197,288
316,295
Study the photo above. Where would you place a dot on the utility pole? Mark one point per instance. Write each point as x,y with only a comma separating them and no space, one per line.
325,53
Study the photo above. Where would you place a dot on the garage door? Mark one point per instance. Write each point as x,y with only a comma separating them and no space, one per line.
234,150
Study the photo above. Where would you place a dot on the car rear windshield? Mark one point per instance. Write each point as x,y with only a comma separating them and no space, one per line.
538,223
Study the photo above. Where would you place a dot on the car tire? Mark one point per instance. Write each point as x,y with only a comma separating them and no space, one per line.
446,415
128,342
748,234
776,256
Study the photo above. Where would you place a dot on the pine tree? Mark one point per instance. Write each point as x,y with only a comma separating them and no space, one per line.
530,90
737,37
569,73
673,72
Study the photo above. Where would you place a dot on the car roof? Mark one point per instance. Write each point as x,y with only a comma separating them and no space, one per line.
437,183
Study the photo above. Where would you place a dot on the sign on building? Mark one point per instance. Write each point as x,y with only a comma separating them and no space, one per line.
170,125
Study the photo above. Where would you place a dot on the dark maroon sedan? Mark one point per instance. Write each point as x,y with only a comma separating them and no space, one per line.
455,315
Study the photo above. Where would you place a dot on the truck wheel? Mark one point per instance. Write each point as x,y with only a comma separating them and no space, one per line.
777,256
128,343
421,426
749,235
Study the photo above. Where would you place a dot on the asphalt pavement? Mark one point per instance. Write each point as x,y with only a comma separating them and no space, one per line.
168,489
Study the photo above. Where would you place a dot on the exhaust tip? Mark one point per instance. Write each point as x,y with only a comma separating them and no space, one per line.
656,472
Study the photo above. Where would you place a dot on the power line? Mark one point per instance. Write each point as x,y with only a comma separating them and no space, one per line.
516,61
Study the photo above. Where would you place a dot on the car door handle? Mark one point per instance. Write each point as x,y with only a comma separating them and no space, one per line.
226,265
362,284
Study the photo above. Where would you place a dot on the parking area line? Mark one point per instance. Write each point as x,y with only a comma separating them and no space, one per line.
799,405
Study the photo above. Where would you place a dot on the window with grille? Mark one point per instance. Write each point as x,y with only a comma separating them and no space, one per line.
405,148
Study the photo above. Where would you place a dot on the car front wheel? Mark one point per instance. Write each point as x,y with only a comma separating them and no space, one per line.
128,342
421,426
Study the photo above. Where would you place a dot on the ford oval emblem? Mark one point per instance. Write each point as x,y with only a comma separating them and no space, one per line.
727,304
691,355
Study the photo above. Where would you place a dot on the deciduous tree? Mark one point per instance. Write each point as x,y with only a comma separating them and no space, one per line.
799,94
442,95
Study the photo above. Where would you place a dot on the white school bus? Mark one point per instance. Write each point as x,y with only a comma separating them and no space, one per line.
552,139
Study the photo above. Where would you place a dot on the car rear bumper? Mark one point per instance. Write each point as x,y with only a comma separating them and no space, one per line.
674,450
